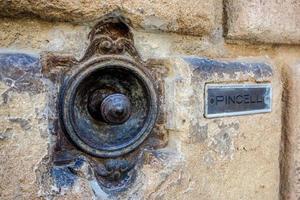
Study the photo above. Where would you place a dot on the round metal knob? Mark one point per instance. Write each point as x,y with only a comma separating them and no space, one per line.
115,109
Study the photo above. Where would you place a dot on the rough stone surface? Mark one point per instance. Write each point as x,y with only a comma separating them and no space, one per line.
222,156
210,158
47,36
230,158
264,21
200,153
23,126
64,37
188,17
291,176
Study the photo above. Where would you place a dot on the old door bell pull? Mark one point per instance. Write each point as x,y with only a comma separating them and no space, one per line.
108,102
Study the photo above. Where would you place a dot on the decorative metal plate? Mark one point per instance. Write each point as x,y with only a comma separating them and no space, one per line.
237,99
108,102
109,76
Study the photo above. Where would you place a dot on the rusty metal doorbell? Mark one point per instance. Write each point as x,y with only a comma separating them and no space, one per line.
108,103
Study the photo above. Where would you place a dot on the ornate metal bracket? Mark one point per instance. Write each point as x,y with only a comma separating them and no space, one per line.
115,173
111,36
108,102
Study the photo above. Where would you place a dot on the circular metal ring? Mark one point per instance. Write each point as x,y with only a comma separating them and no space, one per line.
109,75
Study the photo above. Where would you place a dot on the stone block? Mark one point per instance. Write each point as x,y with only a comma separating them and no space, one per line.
17,34
264,21
186,17
219,158
228,157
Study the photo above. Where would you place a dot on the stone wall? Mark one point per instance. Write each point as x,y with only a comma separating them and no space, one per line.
242,157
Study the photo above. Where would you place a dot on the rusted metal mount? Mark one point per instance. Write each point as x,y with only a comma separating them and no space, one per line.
111,36
108,102
115,174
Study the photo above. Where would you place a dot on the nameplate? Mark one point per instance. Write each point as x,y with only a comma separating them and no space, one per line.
237,99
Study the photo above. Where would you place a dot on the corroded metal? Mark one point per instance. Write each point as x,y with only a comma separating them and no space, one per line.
108,102
115,175
115,109
110,108
114,171
111,35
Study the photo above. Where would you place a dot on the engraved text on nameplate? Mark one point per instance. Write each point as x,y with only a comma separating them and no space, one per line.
237,99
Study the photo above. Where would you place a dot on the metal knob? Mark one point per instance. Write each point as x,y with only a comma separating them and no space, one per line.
115,109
